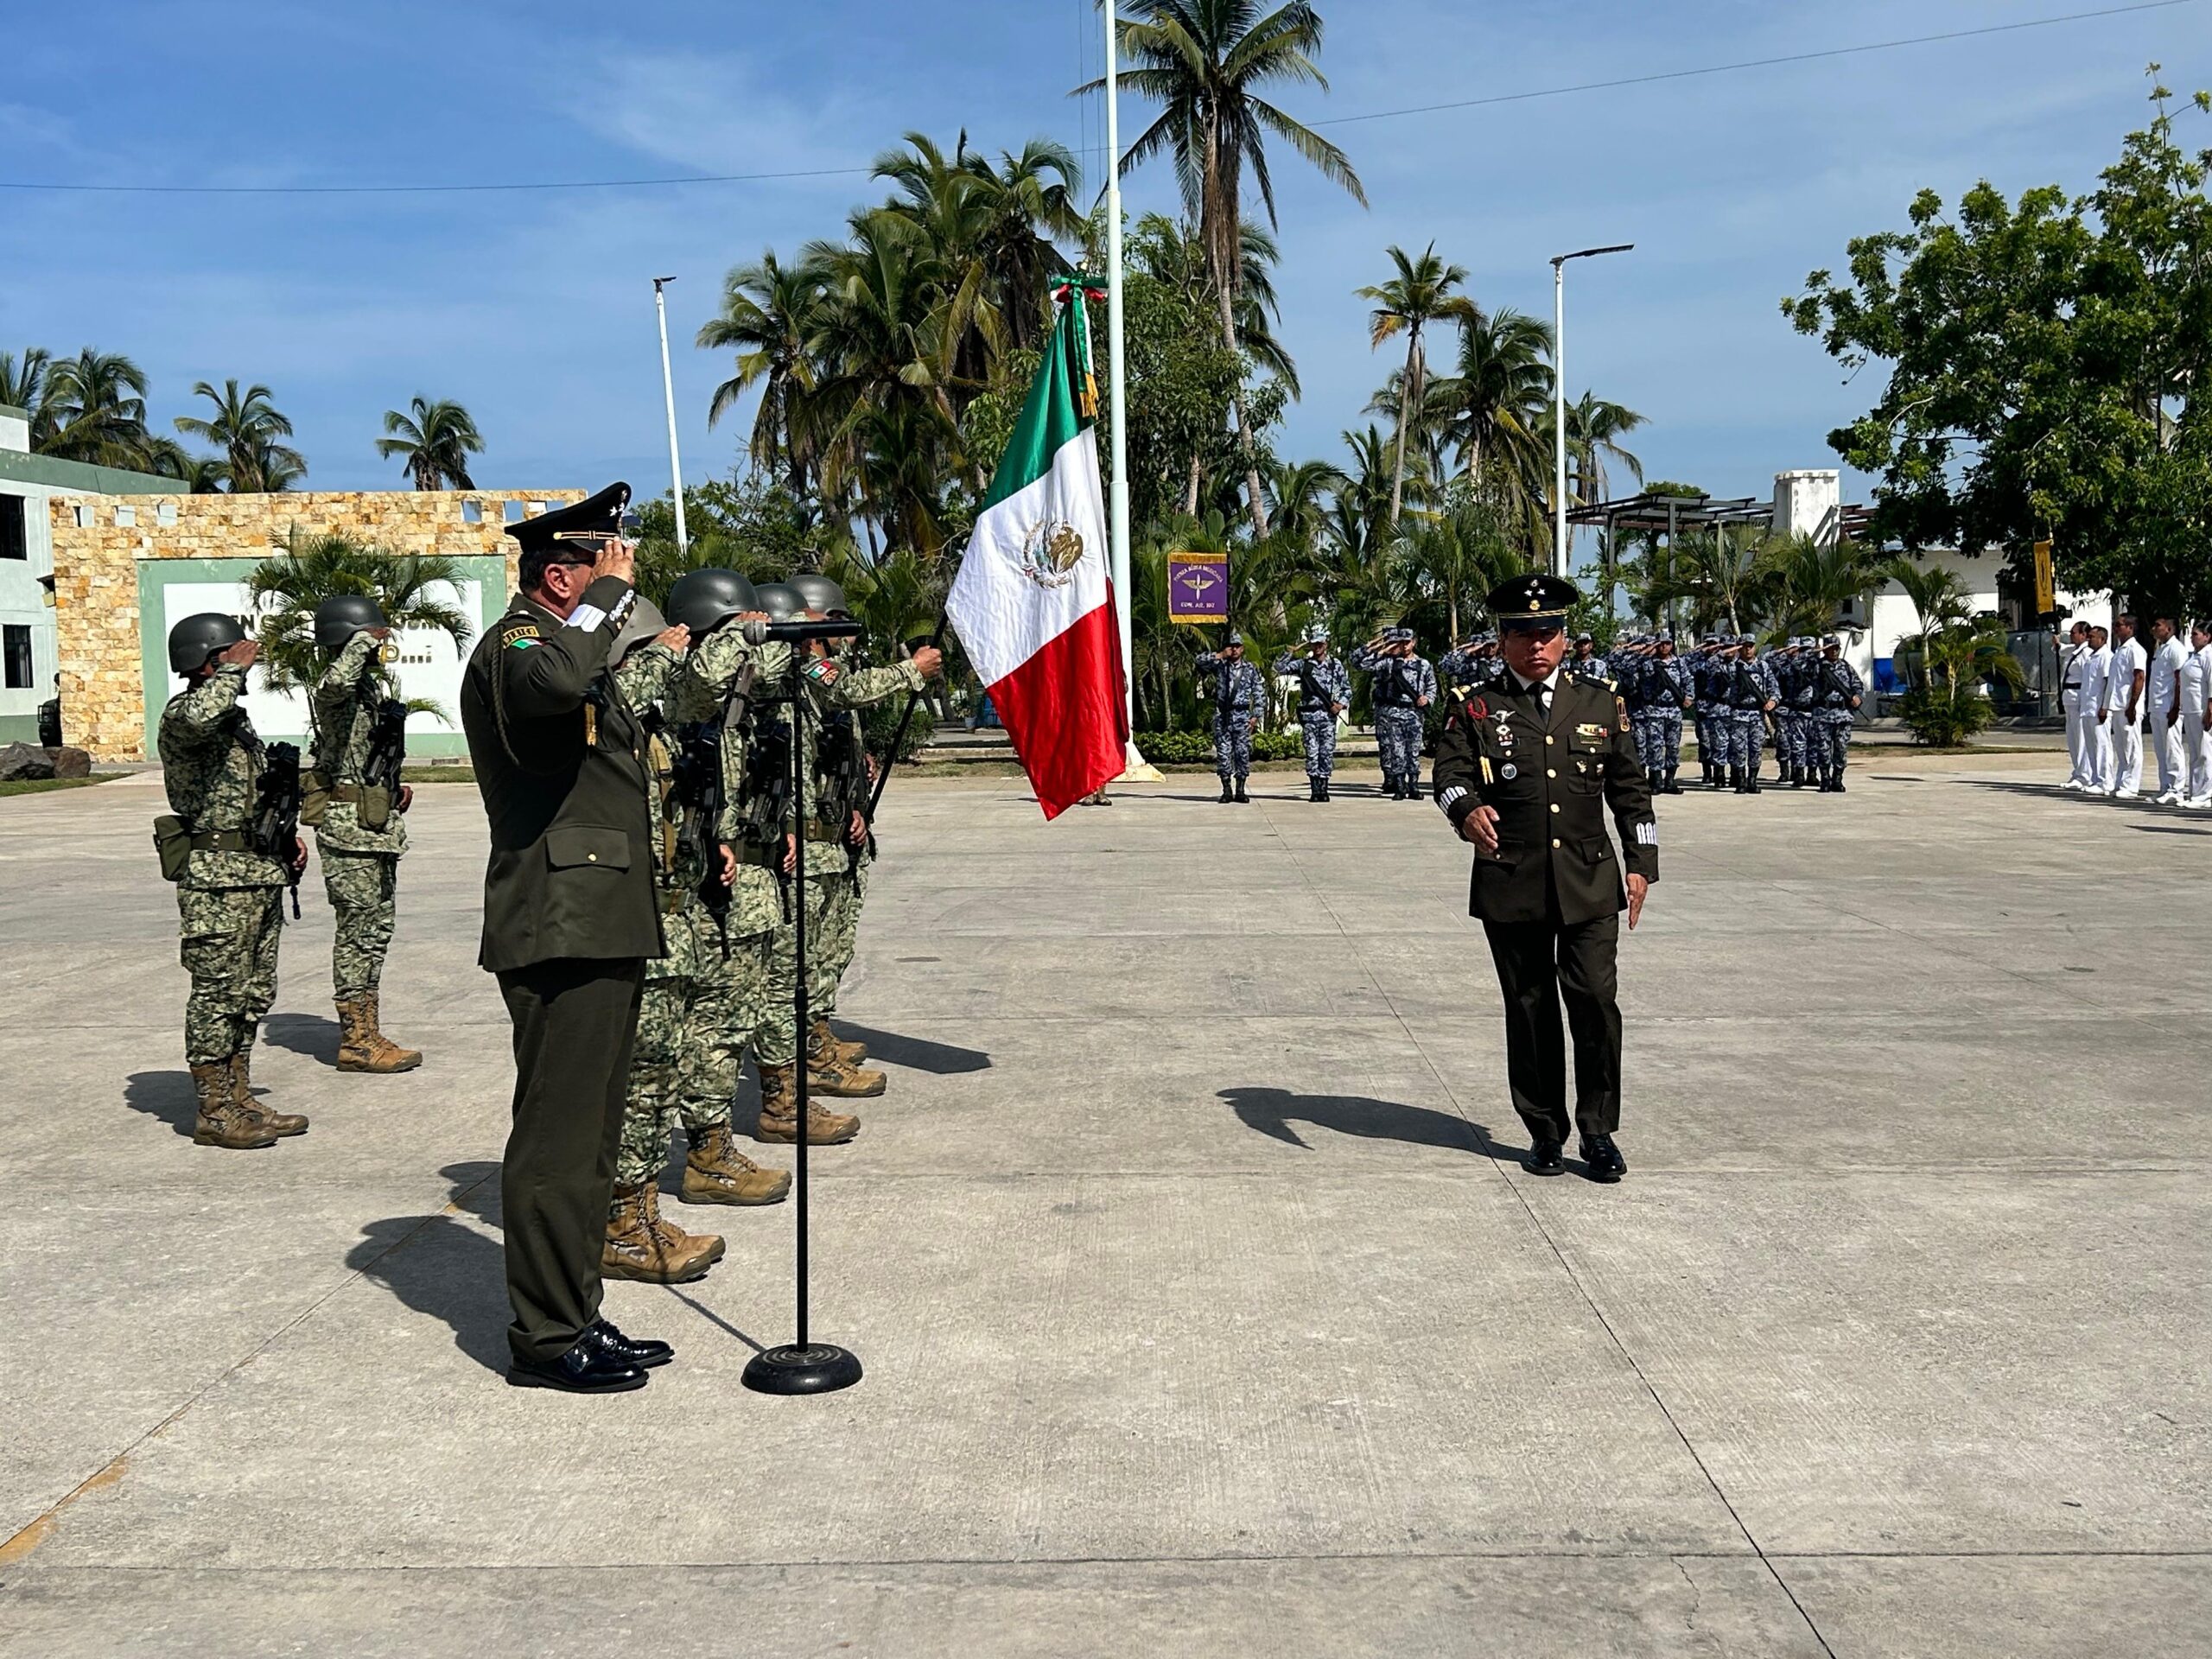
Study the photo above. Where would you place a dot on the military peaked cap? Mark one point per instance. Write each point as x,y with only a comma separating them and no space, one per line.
1533,599
596,518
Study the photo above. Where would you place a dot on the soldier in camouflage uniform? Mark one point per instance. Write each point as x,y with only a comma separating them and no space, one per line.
357,807
1238,698
1751,697
1668,691
1837,693
1403,685
842,767
691,1041
230,890
1324,693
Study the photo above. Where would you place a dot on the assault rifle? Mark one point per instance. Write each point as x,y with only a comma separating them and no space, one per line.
276,826
701,792
844,761
767,818
387,748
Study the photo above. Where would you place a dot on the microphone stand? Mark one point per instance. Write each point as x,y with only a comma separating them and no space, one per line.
801,1366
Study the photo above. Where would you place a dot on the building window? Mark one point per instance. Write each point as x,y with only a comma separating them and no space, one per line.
15,646
472,513
84,516
513,513
165,515
13,544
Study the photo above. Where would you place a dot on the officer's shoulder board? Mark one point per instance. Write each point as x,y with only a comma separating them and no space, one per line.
521,633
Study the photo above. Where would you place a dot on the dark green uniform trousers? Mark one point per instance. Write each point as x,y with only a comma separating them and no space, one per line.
575,1020
1541,964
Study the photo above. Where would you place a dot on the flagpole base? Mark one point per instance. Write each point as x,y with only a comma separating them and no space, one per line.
819,1368
1136,769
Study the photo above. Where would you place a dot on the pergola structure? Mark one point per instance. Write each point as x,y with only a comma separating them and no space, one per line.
1669,515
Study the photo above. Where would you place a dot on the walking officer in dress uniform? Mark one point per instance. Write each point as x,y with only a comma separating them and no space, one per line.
571,919
1324,693
1525,773
1238,698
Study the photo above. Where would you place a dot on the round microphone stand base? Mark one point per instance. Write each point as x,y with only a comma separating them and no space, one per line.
819,1368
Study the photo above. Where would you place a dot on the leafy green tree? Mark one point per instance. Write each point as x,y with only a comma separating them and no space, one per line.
1207,63
1420,293
314,568
433,441
245,430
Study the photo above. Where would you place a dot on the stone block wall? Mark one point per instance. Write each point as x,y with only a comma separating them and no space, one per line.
96,571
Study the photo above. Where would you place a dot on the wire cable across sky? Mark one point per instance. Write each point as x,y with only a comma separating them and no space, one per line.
1487,101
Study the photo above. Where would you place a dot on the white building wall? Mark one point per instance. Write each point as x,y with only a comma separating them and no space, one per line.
23,604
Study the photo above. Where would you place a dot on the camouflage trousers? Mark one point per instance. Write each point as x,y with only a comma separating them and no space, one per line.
776,1043
1746,730
1830,746
1663,746
1232,745
1320,731
697,1015
363,889
1397,736
829,951
229,947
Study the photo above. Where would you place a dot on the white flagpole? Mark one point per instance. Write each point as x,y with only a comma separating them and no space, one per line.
667,390
1118,507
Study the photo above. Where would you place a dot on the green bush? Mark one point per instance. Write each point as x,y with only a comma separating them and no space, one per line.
1945,718
1196,748
880,722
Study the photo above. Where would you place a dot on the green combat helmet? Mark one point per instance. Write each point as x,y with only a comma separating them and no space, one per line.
196,638
339,618
702,601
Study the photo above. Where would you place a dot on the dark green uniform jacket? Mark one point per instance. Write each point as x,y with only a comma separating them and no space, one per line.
560,762
1550,782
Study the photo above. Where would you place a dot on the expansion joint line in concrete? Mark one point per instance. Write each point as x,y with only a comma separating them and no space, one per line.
1567,1267
18,1545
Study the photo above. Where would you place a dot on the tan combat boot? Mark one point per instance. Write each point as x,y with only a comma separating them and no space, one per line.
715,1172
852,1054
221,1121
280,1123
363,1047
826,1074
779,1112
642,1246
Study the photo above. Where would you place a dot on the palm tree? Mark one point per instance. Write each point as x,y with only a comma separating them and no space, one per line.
1939,599
1595,427
1718,578
1809,580
1494,410
1420,293
93,409
768,316
315,568
22,384
1205,62
434,442
199,474
245,430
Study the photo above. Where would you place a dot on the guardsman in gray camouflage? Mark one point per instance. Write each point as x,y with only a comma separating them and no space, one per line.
1669,692
1239,697
358,806
1456,666
230,882
1796,677
1324,694
1706,678
1837,693
1403,684
1750,700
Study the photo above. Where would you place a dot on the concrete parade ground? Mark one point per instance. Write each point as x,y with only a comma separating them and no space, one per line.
1205,1307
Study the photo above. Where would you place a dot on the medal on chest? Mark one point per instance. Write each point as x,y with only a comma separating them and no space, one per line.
1504,727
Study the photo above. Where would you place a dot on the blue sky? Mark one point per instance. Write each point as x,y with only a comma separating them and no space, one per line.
535,309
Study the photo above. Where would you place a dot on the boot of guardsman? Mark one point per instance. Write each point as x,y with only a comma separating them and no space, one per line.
779,1112
1313,789
222,1122
280,1123
715,1172
642,1245
851,1052
1226,795
828,1075
1323,795
363,1047
1242,799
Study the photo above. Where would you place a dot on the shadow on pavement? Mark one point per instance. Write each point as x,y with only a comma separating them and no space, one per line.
439,1266
1271,1111
167,1095
303,1033
918,1053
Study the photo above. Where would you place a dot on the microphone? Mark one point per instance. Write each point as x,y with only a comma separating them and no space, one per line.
800,630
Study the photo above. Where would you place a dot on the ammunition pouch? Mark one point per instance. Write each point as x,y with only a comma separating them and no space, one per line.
175,842
316,795
373,803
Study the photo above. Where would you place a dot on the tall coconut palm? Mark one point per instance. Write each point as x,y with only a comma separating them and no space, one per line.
1207,62
1595,427
1420,293
1808,581
22,380
93,409
244,429
434,442
1495,407
198,474
769,313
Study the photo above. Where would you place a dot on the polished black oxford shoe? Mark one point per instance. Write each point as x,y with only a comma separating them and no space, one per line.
643,1352
588,1368
1543,1159
1602,1159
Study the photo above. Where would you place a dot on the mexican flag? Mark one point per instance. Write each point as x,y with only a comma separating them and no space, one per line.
1032,603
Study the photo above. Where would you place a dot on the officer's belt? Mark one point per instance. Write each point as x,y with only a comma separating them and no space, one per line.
821,832
752,852
223,840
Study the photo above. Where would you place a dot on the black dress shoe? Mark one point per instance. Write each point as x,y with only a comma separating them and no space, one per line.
1543,1159
585,1368
643,1352
1602,1159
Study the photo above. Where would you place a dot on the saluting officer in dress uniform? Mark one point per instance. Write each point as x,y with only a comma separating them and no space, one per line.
571,919
1526,772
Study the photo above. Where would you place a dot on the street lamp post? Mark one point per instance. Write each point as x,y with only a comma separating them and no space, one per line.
1559,396
667,390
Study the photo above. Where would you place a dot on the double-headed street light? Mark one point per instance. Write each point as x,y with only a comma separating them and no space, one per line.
1558,391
